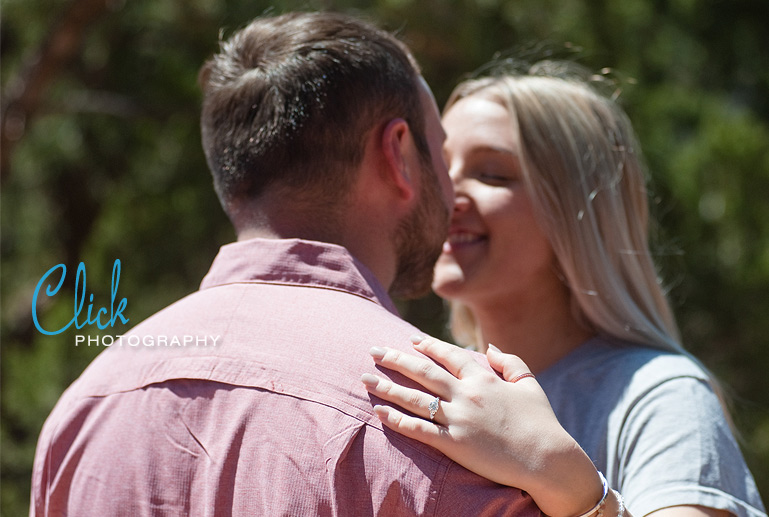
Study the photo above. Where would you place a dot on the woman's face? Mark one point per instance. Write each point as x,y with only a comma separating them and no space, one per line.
495,249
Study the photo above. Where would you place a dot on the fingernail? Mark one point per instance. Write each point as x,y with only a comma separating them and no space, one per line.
494,349
383,412
376,352
416,339
369,380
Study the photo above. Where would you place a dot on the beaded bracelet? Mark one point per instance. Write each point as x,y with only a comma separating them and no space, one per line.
600,504
621,503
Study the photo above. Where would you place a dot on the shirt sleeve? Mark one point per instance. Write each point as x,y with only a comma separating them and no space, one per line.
676,448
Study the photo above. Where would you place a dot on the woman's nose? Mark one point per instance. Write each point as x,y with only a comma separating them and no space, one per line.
462,199
462,202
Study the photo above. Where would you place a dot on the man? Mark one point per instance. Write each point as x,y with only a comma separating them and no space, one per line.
325,147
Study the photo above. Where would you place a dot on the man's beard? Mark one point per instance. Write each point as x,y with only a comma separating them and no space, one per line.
419,239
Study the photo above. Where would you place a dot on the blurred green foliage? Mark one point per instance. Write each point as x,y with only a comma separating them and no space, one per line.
111,167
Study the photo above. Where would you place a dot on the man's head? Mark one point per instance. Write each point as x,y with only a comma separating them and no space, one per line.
289,100
291,105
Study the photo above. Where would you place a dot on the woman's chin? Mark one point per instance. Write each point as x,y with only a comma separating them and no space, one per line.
448,286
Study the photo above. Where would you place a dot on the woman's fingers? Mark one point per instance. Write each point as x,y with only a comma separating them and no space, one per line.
418,402
512,367
455,359
415,428
418,369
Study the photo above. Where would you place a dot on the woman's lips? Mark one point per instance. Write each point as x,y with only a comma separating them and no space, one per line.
461,239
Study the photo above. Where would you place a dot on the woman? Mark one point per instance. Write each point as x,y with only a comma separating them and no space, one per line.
547,258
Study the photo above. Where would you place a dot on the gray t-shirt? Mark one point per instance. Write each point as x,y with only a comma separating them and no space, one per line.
651,422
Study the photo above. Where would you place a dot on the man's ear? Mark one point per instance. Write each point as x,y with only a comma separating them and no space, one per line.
397,146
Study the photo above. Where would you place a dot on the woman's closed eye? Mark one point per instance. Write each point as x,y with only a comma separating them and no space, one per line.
496,178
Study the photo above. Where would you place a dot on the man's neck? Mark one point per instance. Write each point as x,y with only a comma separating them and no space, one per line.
367,247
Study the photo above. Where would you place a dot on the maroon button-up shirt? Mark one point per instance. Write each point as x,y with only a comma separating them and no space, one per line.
244,398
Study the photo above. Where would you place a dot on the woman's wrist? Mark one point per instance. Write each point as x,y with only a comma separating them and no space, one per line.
597,509
612,504
569,484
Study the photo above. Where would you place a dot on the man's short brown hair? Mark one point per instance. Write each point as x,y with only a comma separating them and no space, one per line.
290,99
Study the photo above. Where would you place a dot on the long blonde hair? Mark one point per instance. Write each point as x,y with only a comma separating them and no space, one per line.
583,170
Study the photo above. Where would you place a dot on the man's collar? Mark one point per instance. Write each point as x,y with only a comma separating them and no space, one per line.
295,262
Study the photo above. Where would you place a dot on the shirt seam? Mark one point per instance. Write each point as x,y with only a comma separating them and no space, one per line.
633,406
371,299
447,463
295,390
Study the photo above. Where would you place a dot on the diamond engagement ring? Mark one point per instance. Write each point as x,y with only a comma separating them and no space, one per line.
433,407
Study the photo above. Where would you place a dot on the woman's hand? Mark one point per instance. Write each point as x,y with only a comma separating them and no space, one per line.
504,431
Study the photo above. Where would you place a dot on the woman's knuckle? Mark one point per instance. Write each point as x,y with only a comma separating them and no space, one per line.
415,399
391,356
385,387
425,369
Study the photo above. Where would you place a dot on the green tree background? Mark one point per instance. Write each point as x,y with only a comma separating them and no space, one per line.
101,160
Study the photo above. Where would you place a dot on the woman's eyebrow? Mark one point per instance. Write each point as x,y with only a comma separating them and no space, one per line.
494,150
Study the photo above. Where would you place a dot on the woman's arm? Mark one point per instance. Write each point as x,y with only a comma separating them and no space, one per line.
505,431
690,511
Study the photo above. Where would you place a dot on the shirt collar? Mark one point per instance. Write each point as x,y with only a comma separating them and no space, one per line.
295,262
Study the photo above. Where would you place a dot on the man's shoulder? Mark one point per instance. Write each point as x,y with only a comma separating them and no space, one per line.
288,366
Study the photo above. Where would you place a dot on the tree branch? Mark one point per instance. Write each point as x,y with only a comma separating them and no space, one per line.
24,93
